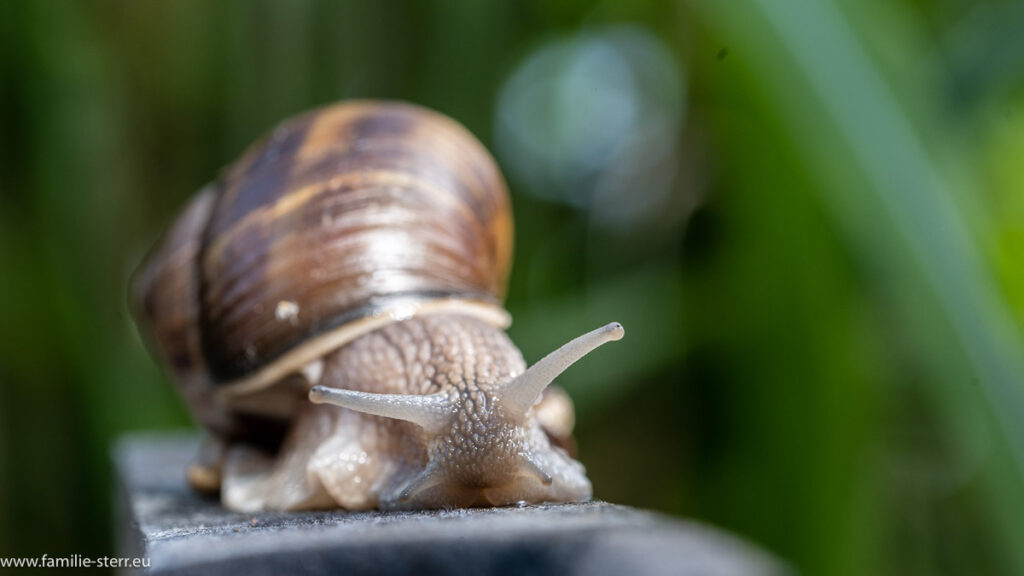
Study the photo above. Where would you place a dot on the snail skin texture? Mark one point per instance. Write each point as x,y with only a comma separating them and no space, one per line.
330,309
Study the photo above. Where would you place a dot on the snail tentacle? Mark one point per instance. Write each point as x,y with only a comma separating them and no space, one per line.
534,468
431,412
425,480
520,394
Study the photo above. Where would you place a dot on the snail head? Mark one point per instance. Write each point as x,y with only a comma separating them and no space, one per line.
484,444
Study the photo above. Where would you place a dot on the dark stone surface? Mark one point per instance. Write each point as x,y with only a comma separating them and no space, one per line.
181,533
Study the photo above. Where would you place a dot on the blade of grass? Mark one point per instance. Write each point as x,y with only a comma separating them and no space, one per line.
896,207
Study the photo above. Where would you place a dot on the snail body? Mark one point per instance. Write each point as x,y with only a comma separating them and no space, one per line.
357,257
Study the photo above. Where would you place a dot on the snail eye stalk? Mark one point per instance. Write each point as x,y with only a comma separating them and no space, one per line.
431,412
520,394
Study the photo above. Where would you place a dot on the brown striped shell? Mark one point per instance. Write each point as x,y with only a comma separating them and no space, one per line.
341,220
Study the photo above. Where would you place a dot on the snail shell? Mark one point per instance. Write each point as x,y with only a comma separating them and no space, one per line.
366,246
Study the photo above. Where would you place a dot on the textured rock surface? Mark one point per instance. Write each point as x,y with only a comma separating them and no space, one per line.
182,533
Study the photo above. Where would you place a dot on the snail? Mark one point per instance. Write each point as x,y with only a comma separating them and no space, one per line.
331,310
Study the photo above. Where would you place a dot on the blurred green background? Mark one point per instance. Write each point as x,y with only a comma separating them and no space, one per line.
808,214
